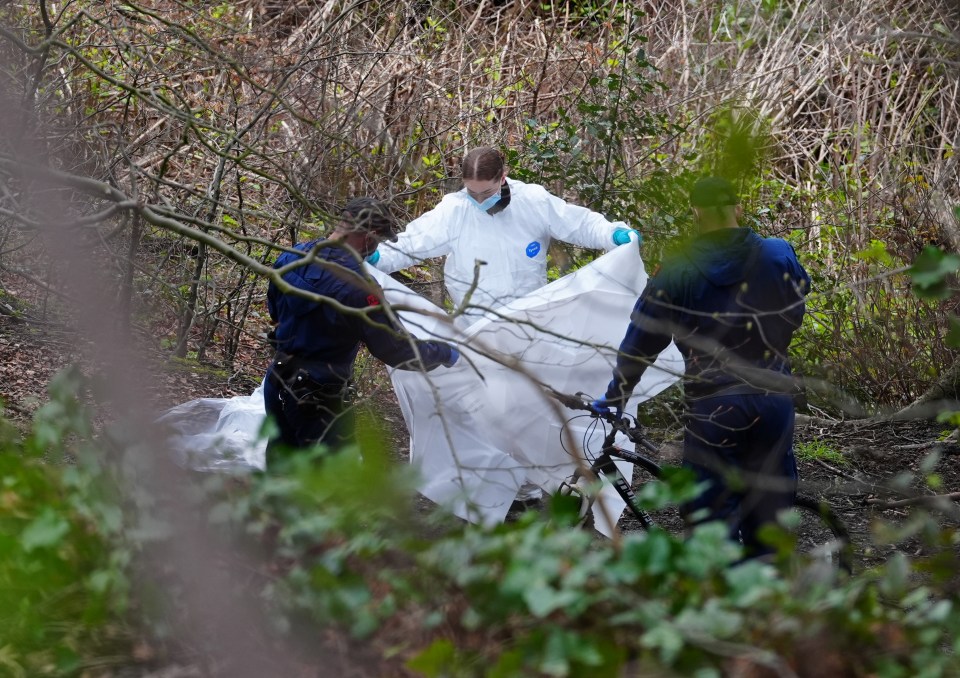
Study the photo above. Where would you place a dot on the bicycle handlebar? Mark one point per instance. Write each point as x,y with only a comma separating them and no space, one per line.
581,401
578,401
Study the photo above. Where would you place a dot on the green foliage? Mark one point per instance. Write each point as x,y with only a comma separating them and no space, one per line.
585,148
931,272
334,516
869,346
736,145
866,342
63,574
539,597
818,449
561,606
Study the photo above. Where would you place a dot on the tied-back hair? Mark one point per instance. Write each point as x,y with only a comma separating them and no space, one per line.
483,164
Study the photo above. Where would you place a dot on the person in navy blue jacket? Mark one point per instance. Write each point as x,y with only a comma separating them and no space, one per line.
308,384
731,300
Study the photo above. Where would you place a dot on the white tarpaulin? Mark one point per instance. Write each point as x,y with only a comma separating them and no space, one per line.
481,429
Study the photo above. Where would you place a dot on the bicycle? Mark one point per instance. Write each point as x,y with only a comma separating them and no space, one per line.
820,533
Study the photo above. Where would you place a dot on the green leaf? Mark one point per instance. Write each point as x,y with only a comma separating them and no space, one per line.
47,529
101,580
556,652
508,665
876,252
433,661
68,661
665,638
930,271
542,599
953,333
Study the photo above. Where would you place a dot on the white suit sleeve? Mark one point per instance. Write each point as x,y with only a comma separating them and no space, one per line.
579,225
425,237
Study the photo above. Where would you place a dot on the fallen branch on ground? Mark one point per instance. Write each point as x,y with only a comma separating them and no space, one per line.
934,500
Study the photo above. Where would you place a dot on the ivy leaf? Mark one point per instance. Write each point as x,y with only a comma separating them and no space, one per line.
542,599
665,638
930,271
47,529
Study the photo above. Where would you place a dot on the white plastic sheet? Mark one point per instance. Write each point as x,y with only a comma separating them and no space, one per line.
483,428
218,434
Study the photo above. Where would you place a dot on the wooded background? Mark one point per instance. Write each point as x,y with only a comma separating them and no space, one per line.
156,156
191,138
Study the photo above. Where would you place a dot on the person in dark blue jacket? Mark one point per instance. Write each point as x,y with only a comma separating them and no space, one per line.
308,384
731,300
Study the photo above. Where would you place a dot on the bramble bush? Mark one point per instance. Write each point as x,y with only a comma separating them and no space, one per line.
869,341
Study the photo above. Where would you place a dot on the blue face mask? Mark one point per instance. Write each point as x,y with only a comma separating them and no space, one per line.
486,204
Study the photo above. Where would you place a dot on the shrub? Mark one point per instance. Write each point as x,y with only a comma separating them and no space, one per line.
539,597
63,581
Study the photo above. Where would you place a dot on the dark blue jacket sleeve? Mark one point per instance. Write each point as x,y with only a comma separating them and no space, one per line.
798,278
650,331
389,341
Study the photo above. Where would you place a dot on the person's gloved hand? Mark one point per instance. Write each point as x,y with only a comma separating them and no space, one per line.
374,258
604,407
454,357
624,235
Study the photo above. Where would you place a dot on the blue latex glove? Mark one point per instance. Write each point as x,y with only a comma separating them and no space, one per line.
605,407
454,357
374,258
624,235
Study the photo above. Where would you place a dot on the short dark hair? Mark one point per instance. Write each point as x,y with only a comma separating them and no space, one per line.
369,214
713,192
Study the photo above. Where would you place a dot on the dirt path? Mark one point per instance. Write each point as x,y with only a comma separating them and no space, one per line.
889,472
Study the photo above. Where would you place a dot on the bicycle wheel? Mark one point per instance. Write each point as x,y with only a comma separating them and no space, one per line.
821,535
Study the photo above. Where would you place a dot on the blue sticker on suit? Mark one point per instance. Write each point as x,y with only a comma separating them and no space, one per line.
533,249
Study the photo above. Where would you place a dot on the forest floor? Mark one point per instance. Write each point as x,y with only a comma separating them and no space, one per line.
871,460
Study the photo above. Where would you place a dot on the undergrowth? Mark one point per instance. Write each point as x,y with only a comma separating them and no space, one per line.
539,597
64,586
353,554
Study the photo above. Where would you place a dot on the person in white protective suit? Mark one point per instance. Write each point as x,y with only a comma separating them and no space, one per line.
501,229
495,235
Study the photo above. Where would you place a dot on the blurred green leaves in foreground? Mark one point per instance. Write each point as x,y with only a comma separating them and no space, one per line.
63,562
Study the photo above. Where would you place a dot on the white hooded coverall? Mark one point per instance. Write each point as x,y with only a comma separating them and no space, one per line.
513,243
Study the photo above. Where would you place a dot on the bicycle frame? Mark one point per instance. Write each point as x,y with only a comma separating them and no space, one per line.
603,464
